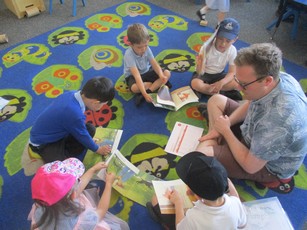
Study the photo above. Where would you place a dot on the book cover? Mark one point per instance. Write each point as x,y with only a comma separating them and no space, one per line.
162,190
130,181
183,139
174,100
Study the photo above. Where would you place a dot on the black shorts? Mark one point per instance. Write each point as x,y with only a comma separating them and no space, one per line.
149,76
209,78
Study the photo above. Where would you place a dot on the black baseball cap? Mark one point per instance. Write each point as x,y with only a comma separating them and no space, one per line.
204,175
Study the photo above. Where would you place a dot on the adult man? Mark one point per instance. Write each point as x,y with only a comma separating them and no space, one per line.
60,131
271,143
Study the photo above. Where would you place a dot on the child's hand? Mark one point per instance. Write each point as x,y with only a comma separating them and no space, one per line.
110,177
99,165
148,98
104,150
175,197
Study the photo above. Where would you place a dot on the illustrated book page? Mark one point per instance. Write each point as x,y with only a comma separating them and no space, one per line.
174,100
183,139
162,190
108,136
130,181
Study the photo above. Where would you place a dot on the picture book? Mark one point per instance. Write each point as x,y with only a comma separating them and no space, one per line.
266,214
174,100
163,190
108,136
183,139
130,181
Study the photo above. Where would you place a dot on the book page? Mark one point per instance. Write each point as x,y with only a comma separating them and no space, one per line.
266,214
183,139
164,96
108,136
131,182
162,190
183,96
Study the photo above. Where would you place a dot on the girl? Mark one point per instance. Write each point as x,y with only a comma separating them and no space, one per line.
62,203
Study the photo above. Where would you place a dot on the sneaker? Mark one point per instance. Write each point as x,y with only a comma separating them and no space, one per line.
169,85
138,99
202,17
152,213
202,108
232,94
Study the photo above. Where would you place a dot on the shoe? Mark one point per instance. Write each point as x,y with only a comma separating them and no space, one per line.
138,99
198,94
232,94
152,213
169,85
283,186
202,17
202,108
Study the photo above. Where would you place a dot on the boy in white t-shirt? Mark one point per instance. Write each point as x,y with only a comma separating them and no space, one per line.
218,205
210,76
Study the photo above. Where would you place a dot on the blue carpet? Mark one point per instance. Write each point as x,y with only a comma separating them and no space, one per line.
34,72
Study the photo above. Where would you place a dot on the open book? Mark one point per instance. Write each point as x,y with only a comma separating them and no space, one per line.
131,182
162,190
174,100
108,136
183,139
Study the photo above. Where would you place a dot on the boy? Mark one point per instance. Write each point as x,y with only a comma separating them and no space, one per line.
60,131
207,179
210,76
143,73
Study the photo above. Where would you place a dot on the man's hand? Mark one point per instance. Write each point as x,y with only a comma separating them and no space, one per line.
222,124
211,135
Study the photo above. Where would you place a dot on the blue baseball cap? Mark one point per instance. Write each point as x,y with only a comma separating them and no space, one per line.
229,28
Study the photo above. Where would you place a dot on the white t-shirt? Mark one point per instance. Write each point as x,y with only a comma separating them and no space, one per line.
215,61
231,215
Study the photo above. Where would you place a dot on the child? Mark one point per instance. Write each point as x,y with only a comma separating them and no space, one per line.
60,130
214,209
221,5
143,73
210,76
62,203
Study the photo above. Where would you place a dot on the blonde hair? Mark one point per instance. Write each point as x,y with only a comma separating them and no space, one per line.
137,33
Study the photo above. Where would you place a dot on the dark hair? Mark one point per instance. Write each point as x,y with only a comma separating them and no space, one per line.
50,214
137,33
99,88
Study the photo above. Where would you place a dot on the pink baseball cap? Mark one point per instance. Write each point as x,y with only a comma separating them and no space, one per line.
54,180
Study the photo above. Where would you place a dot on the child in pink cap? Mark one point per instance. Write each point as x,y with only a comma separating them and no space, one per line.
61,201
